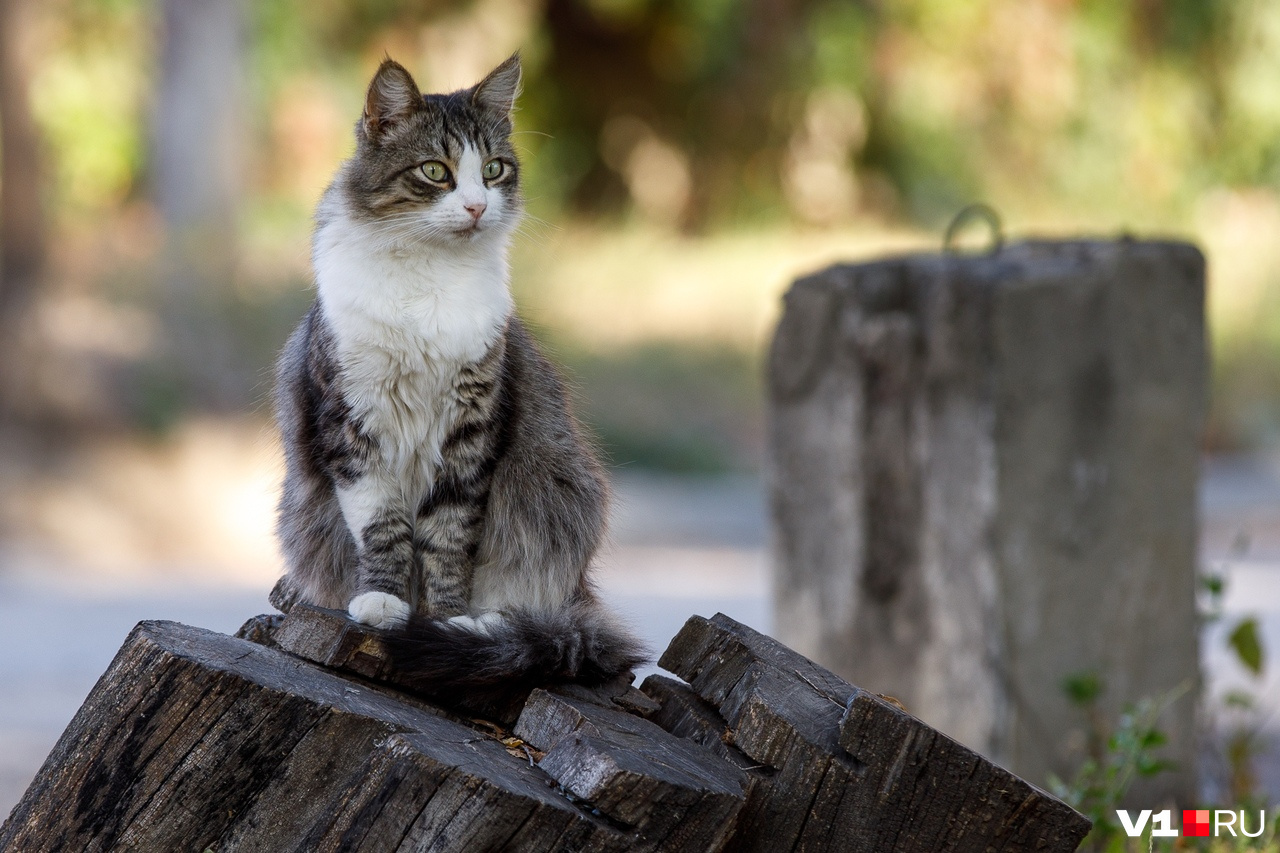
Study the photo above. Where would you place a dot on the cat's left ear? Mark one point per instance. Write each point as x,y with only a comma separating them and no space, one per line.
497,92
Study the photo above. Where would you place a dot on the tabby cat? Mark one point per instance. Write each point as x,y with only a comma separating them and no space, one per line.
437,485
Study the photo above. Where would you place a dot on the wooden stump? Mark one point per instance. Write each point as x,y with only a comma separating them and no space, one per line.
983,483
193,740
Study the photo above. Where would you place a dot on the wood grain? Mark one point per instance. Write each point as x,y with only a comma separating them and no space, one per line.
850,770
194,740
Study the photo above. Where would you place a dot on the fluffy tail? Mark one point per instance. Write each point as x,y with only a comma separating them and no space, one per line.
577,644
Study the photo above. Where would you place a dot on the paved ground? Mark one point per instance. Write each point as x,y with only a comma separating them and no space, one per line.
681,547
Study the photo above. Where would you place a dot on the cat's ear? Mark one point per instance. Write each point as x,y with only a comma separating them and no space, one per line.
497,92
392,97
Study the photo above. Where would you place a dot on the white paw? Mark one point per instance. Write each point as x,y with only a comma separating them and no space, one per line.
378,610
482,624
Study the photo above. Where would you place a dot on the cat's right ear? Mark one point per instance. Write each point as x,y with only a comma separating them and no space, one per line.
392,97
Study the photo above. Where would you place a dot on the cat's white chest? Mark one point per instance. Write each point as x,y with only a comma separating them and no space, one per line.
405,325
406,404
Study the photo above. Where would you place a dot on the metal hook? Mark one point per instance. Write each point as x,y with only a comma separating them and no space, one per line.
967,214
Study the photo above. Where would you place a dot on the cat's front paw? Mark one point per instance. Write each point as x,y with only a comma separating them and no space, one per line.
379,610
485,623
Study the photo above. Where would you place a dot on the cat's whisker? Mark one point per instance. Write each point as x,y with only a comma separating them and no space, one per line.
393,232
540,222
536,238
537,230
540,231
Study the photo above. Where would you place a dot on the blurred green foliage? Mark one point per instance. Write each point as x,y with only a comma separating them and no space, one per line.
707,116
1132,108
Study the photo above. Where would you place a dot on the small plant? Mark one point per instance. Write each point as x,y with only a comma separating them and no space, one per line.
1117,757
1119,754
1244,739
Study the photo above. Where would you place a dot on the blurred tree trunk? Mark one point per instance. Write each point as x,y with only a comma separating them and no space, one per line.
196,173
601,69
748,135
607,66
22,222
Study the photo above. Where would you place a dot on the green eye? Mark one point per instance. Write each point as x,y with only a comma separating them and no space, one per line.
492,169
434,170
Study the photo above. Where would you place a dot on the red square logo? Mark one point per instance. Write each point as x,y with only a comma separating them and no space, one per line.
1195,822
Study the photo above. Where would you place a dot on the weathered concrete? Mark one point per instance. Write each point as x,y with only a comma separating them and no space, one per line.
984,481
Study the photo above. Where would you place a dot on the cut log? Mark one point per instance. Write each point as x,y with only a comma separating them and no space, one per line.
850,770
197,741
634,772
329,638
194,740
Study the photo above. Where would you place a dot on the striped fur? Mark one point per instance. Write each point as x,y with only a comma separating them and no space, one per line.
437,484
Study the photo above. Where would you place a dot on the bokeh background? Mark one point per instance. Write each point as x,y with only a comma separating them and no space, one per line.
684,161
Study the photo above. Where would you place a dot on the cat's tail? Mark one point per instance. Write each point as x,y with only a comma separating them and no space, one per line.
580,643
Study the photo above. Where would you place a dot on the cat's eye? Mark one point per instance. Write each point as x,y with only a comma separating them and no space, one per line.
493,169
434,170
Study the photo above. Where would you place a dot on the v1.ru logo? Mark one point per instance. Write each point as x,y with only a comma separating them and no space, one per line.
1195,822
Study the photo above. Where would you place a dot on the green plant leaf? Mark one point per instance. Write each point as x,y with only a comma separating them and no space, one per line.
1082,688
1147,766
1247,645
1239,699
1152,738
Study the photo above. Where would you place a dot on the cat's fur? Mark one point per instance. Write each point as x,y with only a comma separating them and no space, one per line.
437,485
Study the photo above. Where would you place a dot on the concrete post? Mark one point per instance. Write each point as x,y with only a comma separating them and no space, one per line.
984,478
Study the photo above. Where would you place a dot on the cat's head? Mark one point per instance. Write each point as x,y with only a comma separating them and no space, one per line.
436,168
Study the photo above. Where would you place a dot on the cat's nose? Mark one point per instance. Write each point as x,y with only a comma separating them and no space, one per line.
475,209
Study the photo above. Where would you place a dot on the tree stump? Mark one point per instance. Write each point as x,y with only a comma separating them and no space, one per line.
983,483
301,741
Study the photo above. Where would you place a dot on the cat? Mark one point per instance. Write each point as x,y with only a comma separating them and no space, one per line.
437,486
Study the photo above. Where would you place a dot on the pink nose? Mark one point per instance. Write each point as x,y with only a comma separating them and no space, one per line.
476,209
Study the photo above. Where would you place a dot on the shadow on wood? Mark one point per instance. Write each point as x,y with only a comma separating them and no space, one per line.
297,739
